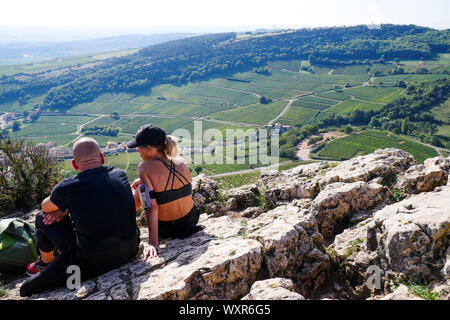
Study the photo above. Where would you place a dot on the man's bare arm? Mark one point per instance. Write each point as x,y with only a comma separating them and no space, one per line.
52,212
48,205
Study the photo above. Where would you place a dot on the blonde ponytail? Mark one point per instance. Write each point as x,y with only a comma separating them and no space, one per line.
171,149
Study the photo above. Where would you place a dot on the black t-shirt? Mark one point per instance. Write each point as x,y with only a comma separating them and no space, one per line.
101,205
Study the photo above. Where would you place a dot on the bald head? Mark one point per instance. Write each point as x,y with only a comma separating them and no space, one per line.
87,153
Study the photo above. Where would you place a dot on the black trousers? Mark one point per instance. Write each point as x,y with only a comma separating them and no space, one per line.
181,228
61,235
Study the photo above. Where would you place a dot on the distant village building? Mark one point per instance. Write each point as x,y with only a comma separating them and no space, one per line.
282,128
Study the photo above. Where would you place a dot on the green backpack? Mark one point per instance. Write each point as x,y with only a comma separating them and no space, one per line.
17,244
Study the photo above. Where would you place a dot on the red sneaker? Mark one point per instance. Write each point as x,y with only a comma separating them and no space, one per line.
36,267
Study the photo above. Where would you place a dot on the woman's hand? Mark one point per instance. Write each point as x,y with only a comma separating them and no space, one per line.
151,251
136,184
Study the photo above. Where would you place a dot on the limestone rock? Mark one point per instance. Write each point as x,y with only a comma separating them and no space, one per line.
295,183
446,269
221,269
214,209
401,293
273,289
252,212
442,289
415,233
365,168
241,198
405,240
293,247
203,189
427,176
340,199
350,250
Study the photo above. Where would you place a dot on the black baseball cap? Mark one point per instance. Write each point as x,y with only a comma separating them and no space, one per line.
148,135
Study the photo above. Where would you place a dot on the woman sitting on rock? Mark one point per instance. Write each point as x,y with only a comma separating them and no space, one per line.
166,180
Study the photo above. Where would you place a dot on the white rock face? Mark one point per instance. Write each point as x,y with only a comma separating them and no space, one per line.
241,198
425,177
415,232
203,189
220,269
401,293
273,289
339,199
446,269
365,168
406,240
296,183
293,246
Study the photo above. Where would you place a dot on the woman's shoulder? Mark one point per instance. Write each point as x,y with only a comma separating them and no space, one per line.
147,164
179,161
180,165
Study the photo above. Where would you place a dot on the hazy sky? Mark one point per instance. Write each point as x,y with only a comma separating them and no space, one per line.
223,13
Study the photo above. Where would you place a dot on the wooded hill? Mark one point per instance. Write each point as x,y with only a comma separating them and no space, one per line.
198,58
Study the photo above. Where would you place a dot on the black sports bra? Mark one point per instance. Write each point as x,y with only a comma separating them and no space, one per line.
172,194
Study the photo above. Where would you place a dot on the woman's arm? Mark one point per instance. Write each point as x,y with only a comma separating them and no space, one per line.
151,215
152,221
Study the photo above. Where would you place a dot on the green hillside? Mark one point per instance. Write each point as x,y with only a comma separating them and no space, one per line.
228,81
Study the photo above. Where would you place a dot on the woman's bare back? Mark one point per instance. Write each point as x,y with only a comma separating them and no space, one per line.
158,175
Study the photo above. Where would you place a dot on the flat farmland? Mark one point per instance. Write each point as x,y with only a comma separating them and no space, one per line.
40,129
103,140
292,65
350,70
444,130
371,140
60,139
384,68
375,94
318,99
442,112
311,104
297,116
64,119
333,79
131,125
351,105
258,113
334,95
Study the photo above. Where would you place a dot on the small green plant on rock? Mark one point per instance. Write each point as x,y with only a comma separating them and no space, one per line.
3,291
389,179
353,248
316,190
220,197
398,194
243,231
261,201
421,290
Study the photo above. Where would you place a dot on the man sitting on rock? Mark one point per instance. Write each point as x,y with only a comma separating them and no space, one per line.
90,218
